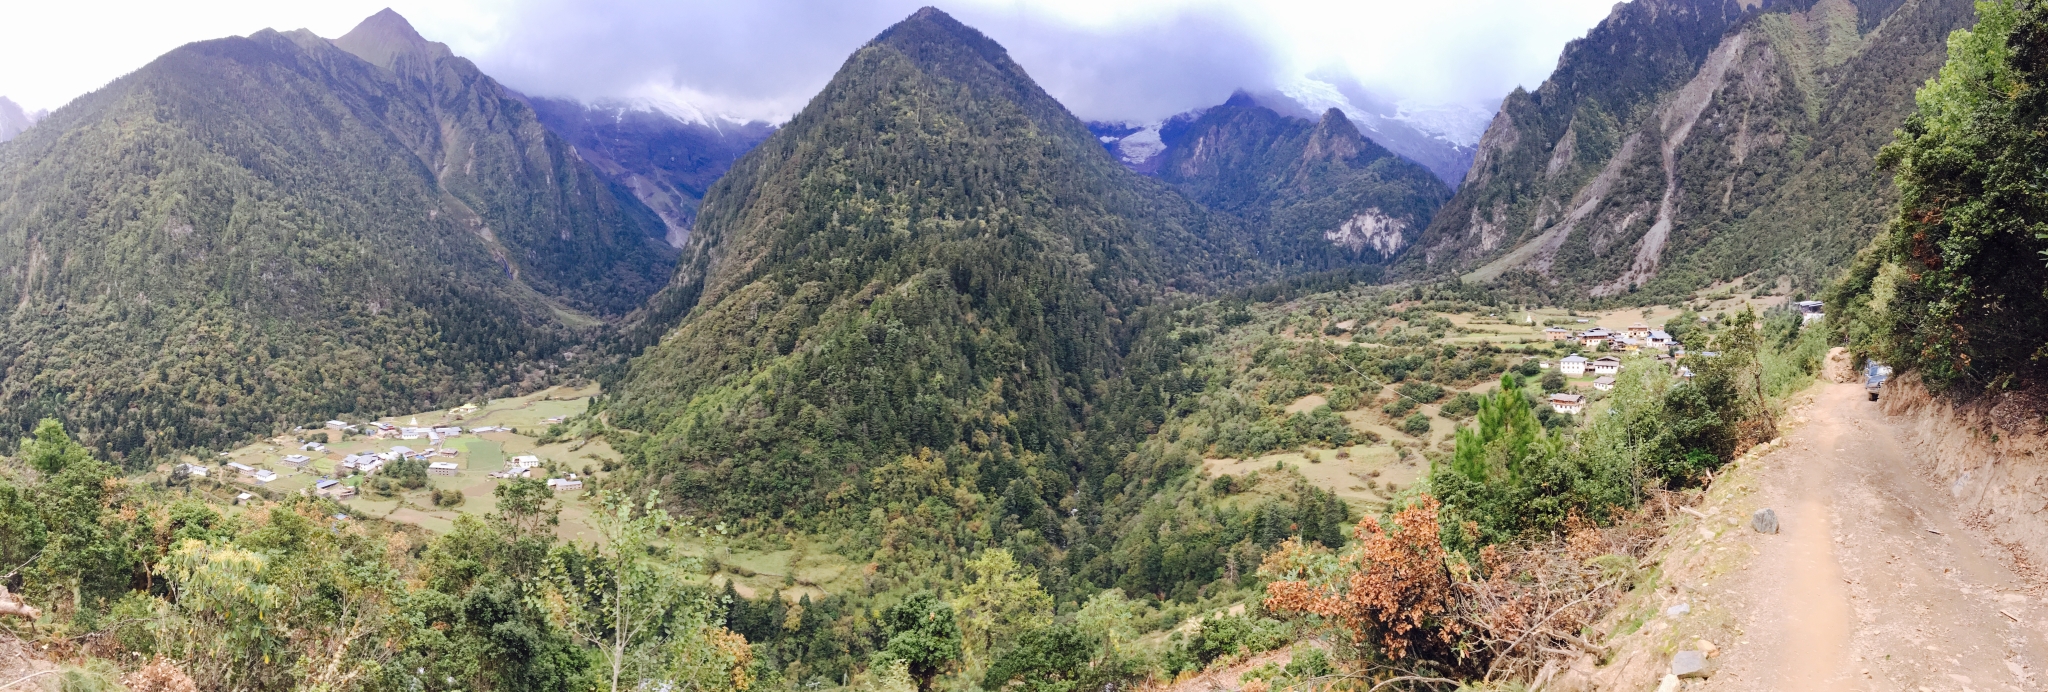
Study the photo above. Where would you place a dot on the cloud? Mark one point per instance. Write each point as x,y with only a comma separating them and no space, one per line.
1106,59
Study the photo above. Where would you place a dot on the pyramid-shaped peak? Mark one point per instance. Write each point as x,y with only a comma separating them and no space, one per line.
385,36
1335,137
932,24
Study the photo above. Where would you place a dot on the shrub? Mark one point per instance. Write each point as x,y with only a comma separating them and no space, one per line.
1416,424
1425,393
1391,590
1398,408
1464,404
1223,485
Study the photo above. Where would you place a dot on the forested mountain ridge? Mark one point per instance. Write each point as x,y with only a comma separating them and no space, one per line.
934,254
1683,142
273,229
1322,195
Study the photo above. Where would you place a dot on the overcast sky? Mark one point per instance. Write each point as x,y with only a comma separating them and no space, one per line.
1106,59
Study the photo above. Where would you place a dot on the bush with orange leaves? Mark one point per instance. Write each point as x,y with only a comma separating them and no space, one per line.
1412,606
1392,588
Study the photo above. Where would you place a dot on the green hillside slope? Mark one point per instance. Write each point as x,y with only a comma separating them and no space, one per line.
1685,142
933,255
1321,195
266,230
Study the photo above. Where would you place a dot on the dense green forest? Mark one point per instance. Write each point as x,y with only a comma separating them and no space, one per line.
933,255
256,232
967,581
1953,289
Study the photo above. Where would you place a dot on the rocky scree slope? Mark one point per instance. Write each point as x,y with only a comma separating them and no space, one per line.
1683,142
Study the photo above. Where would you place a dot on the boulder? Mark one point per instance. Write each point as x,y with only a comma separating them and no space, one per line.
1764,521
1689,664
1668,684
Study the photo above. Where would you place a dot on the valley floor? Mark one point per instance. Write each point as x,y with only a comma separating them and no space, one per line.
1875,581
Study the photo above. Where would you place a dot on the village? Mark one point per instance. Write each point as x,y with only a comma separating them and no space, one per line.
423,468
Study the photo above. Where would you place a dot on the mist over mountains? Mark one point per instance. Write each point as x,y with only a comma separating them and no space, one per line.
13,120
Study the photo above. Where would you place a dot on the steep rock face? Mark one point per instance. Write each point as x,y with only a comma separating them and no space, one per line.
261,231
933,255
666,162
1728,143
1317,193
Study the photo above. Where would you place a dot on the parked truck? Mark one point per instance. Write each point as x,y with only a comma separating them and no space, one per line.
1874,376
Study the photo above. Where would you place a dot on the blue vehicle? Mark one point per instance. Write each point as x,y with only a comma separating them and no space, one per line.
1874,375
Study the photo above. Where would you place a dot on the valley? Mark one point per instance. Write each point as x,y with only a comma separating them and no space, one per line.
337,364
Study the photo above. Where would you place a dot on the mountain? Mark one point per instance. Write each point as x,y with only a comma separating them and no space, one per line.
1441,138
1339,196
1685,142
933,255
665,160
260,231
13,120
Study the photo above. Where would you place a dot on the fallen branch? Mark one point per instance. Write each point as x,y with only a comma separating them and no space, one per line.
11,604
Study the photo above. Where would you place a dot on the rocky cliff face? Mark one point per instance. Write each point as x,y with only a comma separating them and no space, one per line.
664,160
1687,141
1312,191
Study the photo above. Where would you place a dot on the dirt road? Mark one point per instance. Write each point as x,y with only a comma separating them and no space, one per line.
1874,582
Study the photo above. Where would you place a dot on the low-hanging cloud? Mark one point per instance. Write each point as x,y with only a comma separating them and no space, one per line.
1130,60
765,59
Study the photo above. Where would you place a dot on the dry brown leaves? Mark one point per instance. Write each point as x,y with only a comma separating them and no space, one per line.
160,675
1397,592
1532,602
1522,605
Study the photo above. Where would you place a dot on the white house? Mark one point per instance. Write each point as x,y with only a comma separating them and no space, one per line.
370,467
570,483
298,460
338,425
1567,403
1661,339
442,468
1605,384
312,447
1639,331
1573,365
523,461
193,470
242,468
265,476
1607,365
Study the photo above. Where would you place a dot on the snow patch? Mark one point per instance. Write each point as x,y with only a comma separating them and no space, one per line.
1141,146
1370,229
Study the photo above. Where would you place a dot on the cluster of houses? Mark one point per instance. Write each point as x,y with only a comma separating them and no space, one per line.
527,465
370,463
1636,337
